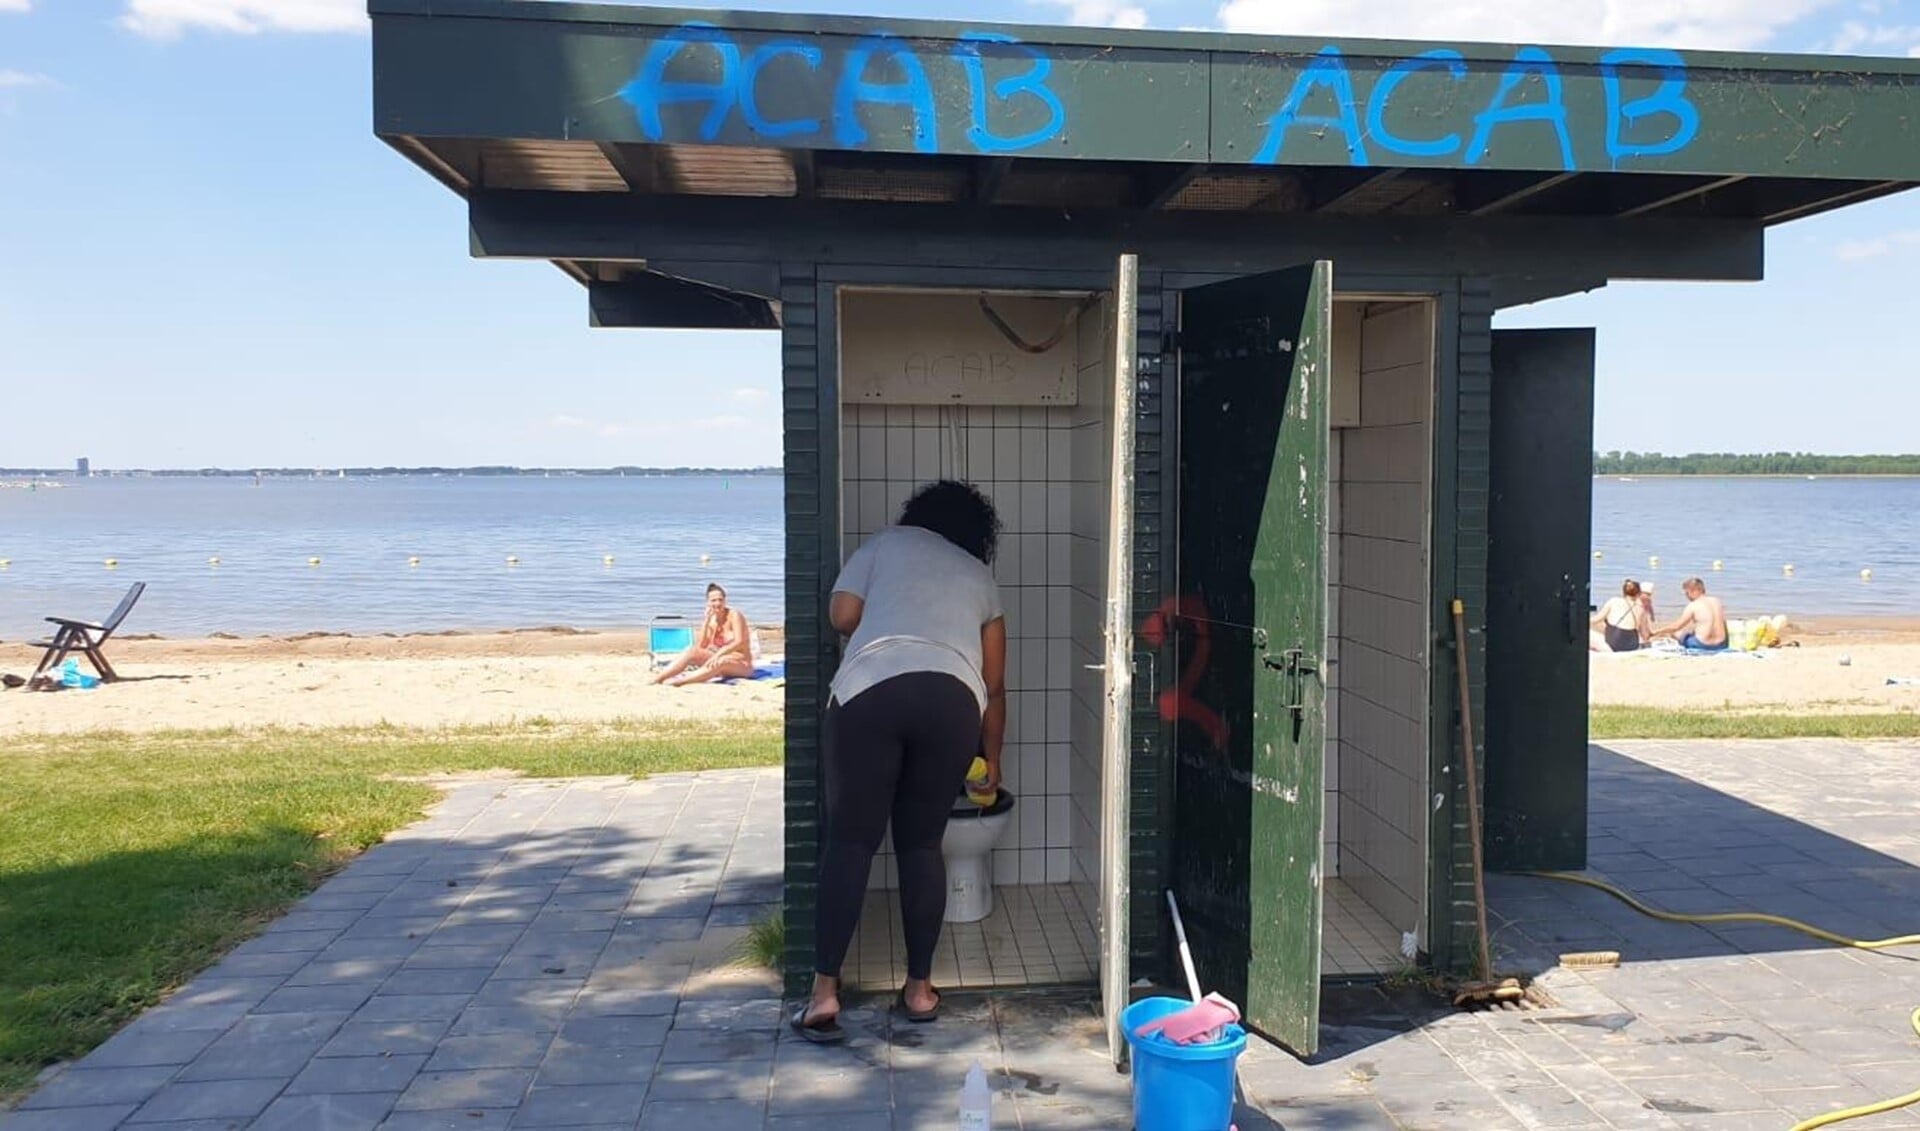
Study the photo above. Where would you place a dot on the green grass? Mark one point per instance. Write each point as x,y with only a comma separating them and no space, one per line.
1649,722
766,941
129,863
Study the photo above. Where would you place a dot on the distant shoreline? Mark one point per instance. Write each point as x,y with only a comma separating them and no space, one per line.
1755,475
65,474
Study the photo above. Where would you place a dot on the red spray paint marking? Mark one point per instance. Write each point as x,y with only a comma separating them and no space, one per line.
1178,703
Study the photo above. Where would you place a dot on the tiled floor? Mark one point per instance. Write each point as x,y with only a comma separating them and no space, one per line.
1038,935
1356,939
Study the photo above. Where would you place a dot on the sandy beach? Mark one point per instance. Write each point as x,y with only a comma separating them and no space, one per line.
412,681
491,679
1839,666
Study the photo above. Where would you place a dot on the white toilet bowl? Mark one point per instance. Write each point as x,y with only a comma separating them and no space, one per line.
968,846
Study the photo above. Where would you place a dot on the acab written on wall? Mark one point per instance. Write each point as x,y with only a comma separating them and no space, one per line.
697,80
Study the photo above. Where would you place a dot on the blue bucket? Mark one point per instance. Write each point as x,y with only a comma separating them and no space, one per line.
1180,1087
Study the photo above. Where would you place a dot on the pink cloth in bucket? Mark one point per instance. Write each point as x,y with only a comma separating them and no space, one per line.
1198,1024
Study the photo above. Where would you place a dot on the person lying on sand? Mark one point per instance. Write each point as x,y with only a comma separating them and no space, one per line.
1702,626
722,650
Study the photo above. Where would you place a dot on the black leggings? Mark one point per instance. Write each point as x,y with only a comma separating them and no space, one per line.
898,750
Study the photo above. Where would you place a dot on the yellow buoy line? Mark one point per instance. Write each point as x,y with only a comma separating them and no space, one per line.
1653,563
1823,935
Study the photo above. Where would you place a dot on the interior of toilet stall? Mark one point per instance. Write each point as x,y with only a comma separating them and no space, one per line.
1011,391
933,388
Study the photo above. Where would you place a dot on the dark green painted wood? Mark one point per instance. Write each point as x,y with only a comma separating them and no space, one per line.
1462,457
1254,370
810,396
566,72
597,226
1540,526
648,301
1149,934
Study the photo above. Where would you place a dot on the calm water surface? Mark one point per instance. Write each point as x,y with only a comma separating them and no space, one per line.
163,531
1827,529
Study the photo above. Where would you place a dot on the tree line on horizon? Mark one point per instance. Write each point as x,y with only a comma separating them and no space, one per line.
1731,463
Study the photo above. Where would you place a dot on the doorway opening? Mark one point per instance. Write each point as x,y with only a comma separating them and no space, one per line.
1375,859
1008,390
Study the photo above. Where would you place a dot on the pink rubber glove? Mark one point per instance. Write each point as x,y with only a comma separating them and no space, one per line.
1199,1023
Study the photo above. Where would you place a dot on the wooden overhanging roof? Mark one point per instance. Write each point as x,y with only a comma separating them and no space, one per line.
508,96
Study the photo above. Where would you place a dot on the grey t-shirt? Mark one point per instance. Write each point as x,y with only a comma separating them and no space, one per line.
926,602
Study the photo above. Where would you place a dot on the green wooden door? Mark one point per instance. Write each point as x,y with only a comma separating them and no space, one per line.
1539,533
1251,631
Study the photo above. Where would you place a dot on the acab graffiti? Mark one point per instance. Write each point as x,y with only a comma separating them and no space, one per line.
699,81
880,70
1633,127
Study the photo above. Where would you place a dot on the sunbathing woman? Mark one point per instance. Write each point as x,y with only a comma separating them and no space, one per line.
722,650
1623,624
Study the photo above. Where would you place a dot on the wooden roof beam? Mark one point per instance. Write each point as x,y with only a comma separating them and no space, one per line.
1503,191
1332,190
1162,187
645,168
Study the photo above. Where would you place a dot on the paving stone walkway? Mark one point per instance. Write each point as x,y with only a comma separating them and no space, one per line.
561,954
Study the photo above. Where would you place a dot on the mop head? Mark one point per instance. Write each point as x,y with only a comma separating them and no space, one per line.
1201,1023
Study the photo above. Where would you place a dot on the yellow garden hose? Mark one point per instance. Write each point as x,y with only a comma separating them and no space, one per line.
1831,1117
1729,916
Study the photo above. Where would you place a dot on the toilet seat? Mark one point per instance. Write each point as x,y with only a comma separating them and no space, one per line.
964,809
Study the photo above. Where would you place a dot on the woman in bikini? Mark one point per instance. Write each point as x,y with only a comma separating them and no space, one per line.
1623,624
722,650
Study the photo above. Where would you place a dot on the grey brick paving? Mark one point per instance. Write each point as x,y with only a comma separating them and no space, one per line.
557,954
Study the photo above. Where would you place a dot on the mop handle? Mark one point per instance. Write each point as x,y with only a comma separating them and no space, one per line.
1186,956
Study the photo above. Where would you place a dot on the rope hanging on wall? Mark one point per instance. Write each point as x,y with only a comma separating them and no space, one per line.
1067,321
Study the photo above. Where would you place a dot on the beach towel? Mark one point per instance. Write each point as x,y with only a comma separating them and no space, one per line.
765,669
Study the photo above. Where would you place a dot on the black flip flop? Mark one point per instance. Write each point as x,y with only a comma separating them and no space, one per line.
923,1017
821,1032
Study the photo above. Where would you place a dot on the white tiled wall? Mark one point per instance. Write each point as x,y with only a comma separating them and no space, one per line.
1091,462
1022,458
1379,605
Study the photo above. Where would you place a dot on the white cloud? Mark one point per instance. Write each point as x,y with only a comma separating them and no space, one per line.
1855,251
750,396
1105,13
9,79
16,5
169,19
1856,37
1723,24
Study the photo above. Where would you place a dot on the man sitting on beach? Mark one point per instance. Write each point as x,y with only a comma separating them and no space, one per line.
1702,626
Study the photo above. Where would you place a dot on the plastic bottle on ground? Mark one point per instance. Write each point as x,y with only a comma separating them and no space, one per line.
976,1101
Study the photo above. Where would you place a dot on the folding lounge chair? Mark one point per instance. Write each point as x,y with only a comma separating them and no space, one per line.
85,637
667,637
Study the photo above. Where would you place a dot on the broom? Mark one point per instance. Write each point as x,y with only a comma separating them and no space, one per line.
1486,990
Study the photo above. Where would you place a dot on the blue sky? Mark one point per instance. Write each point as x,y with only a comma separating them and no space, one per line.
207,258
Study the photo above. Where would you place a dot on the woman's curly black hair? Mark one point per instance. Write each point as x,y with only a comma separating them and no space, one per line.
957,512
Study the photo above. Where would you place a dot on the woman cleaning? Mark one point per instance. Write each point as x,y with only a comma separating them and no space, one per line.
921,691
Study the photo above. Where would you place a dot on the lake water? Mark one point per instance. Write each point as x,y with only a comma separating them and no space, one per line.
1827,529
163,531
463,529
